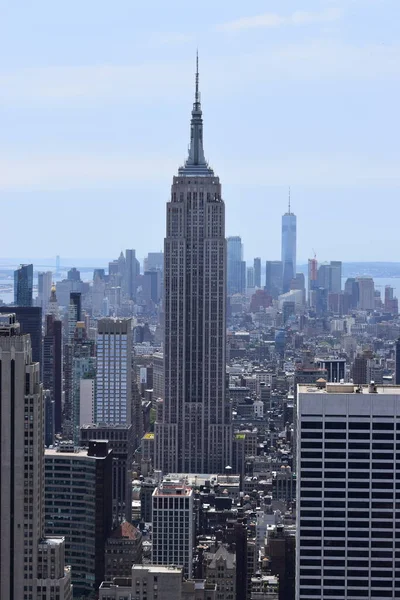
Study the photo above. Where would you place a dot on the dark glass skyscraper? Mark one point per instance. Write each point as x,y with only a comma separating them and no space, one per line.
194,434
30,321
23,285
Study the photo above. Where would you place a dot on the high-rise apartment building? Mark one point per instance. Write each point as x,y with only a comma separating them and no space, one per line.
173,525
289,236
273,277
114,371
194,434
78,506
236,267
23,285
22,478
346,544
257,272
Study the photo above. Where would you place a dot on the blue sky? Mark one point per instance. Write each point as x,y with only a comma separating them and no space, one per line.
95,100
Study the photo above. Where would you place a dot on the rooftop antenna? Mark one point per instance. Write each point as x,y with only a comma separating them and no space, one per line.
197,98
289,200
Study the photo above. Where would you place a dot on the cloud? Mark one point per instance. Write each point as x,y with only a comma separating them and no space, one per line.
275,20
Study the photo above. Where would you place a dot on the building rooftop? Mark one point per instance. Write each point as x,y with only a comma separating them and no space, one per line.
221,554
158,568
173,488
125,531
350,388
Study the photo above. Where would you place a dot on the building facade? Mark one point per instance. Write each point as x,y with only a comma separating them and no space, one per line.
23,285
78,506
45,279
257,272
30,321
366,291
236,267
289,241
346,536
273,277
53,366
22,476
121,442
194,433
173,525
114,371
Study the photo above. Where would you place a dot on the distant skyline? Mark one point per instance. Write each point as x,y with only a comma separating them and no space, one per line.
95,105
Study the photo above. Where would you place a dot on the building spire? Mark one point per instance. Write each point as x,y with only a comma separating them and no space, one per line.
197,94
289,199
196,163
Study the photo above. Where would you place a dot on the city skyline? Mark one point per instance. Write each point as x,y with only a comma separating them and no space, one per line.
86,128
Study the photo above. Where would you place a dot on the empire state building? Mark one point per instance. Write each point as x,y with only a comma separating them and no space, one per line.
193,432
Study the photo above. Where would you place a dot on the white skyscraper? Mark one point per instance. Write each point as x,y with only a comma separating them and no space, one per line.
348,492
194,434
114,371
173,525
289,237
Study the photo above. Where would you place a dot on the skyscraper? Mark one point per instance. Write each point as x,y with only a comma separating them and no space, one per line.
173,525
366,299
397,364
289,234
52,366
30,322
132,271
44,289
235,277
335,276
114,371
23,560
257,272
194,433
346,492
250,278
78,506
23,285
273,277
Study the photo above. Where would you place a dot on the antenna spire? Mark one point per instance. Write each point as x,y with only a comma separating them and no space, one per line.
289,199
197,97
